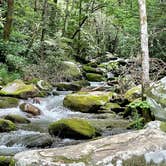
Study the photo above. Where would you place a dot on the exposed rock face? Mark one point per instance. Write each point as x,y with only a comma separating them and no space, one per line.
87,101
72,128
145,146
156,97
17,88
8,102
29,108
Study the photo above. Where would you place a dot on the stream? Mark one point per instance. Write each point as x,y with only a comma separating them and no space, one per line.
35,134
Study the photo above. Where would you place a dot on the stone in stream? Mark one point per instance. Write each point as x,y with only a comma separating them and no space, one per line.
136,148
18,88
28,139
73,128
8,102
156,97
16,118
87,102
95,77
6,125
72,86
29,108
89,69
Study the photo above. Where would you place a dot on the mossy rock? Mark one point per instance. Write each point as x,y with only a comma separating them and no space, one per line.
71,71
72,128
142,108
89,69
87,101
16,118
72,86
136,124
6,125
109,107
18,88
95,77
8,102
133,93
6,161
156,97
163,126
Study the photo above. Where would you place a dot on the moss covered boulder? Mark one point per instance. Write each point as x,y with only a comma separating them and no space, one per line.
95,77
16,118
8,102
156,97
87,101
108,107
6,125
29,108
72,128
18,88
72,86
71,70
6,161
89,69
133,93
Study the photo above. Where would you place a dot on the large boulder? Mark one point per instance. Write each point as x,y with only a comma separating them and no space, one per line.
6,125
18,88
156,97
87,101
72,70
8,102
72,128
135,148
29,108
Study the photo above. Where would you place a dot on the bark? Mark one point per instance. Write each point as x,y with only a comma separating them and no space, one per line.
44,22
144,45
9,20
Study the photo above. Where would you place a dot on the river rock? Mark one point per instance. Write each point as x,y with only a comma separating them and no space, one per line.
133,93
16,118
18,88
72,71
87,101
72,128
143,147
156,97
28,139
72,86
6,125
8,102
29,108
94,77
6,161
89,69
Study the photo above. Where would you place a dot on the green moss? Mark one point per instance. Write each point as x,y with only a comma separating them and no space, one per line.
163,126
6,161
86,101
94,77
90,69
72,128
111,107
8,102
6,125
18,88
133,93
16,119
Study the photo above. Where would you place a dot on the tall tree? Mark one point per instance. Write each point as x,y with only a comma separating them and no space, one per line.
9,20
144,45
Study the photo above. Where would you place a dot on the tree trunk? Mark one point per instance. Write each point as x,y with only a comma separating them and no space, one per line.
44,22
66,18
9,20
144,45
